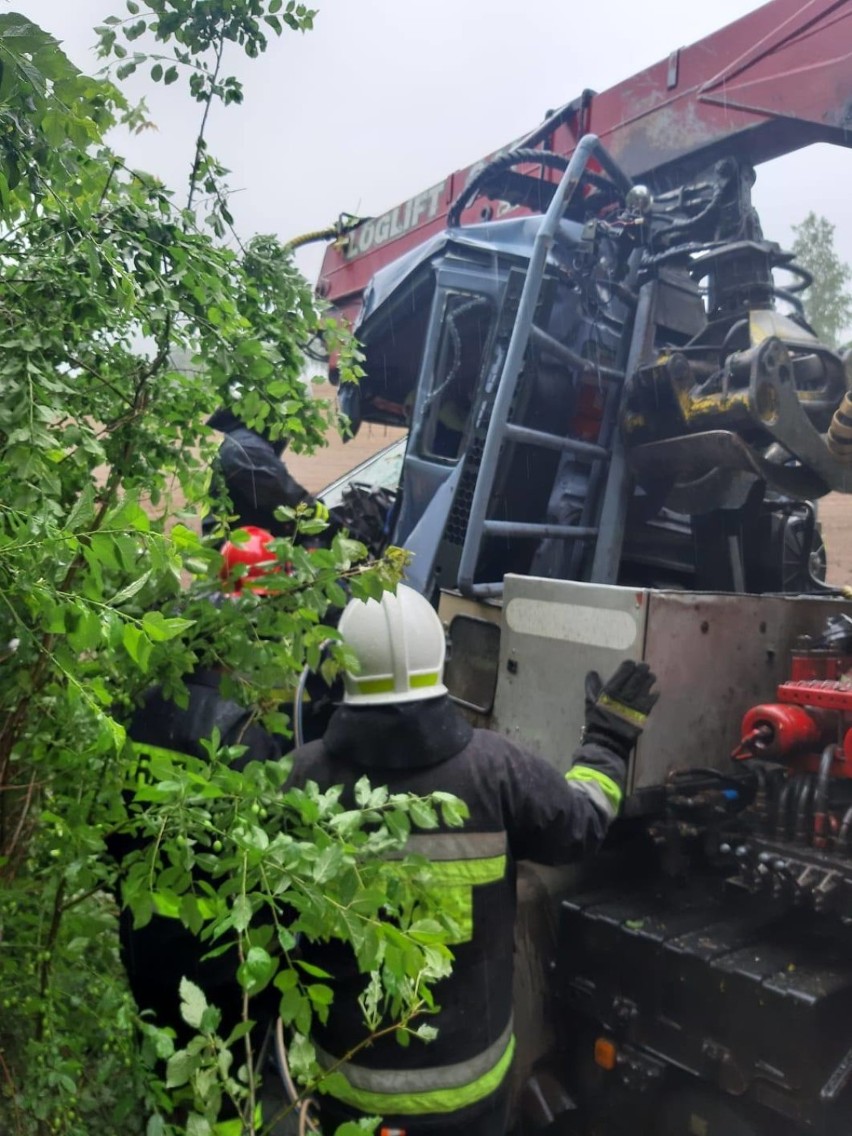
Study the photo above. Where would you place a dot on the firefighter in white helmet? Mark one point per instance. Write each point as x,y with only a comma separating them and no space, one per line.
398,726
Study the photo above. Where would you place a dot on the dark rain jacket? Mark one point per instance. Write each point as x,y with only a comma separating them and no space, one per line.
521,808
250,480
159,954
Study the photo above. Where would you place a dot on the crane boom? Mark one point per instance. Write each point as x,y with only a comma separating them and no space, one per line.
772,82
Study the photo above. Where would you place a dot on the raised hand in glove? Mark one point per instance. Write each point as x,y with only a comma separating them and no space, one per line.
616,712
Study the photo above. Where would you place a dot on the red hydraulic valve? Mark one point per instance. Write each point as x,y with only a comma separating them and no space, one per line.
778,731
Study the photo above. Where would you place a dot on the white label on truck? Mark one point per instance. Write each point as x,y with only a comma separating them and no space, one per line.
573,623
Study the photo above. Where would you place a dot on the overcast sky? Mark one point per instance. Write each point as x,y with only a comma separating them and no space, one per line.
386,97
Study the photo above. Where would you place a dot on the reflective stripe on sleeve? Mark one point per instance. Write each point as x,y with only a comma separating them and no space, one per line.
414,1092
602,790
621,711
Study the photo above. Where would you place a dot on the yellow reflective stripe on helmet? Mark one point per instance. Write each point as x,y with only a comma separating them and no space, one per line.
386,686
414,1101
374,685
608,787
417,681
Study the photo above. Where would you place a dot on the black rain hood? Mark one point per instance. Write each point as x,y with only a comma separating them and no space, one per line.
226,422
406,735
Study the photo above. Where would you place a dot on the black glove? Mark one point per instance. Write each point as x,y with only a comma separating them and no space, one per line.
616,713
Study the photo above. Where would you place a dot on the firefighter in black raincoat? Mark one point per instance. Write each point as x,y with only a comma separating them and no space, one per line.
158,955
250,481
398,726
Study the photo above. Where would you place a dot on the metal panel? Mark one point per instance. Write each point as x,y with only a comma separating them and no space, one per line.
554,631
715,656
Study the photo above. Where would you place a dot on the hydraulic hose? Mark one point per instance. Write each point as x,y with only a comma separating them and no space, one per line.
846,824
504,162
343,225
782,819
804,803
820,826
306,1124
298,701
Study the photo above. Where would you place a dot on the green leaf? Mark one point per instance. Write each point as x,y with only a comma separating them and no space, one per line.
155,1126
159,629
131,589
309,968
328,864
423,815
257,970
137,645
180,1067
192,1003
320,995
241,913
286,980
197,1125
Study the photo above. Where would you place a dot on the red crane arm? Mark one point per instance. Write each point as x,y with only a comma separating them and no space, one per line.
774,81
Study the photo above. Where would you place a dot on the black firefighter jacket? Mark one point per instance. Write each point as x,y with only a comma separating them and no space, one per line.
250,480
521,808
159,954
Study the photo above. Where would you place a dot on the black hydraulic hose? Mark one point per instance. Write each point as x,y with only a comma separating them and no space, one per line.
820,825
782,820
298,701
504,162
846,824
804,803
769,794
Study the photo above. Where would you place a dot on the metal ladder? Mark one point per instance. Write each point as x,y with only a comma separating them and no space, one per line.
606,455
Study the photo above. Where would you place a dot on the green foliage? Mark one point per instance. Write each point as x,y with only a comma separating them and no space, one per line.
106,281
828,304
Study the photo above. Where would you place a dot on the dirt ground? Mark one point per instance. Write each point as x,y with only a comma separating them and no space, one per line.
319,470
835,514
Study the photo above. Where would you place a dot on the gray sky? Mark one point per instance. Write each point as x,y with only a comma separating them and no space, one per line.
386,97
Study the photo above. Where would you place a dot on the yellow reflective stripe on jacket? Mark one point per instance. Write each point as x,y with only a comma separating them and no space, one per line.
418,1092
593,777
454,845
459,862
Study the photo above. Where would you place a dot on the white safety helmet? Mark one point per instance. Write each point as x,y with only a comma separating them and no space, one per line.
399,642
